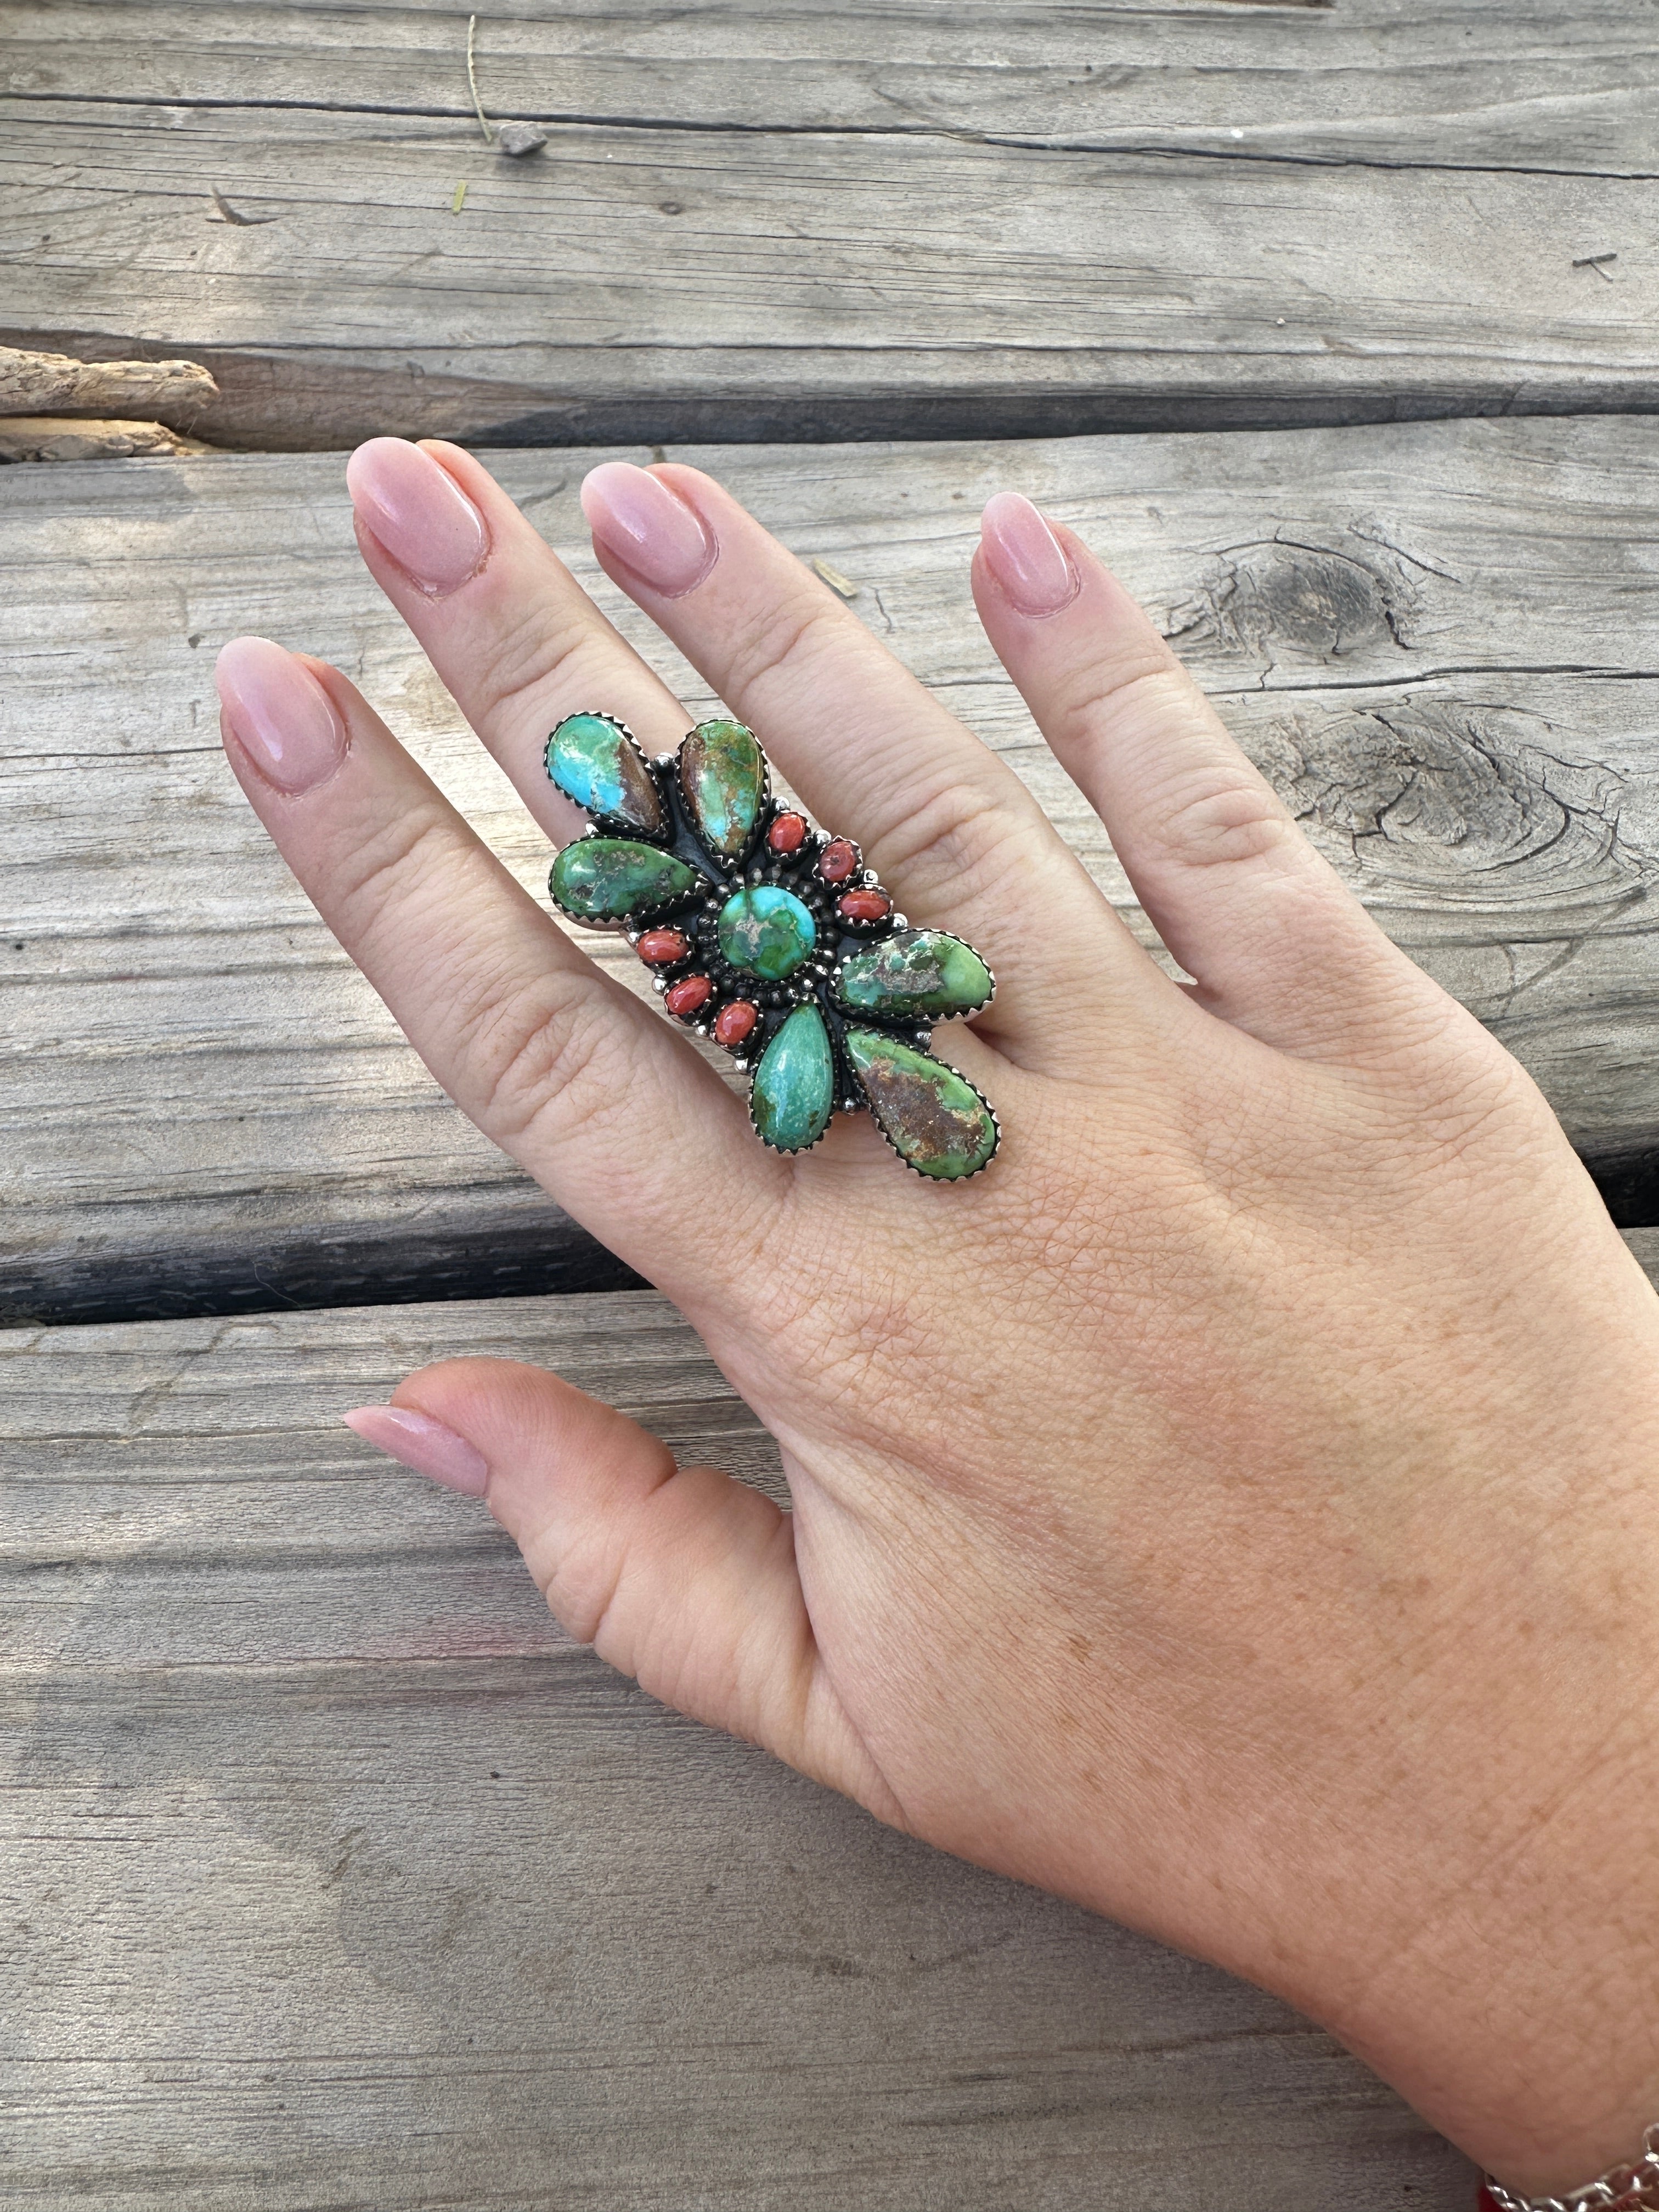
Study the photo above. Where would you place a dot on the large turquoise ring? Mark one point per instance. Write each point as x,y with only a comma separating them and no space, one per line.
774,938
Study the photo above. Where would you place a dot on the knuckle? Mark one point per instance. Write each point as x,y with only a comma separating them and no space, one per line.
398,861
583,1584
546,1045
1230,820
1474,1100
785,636
539,648
959,836
1139,687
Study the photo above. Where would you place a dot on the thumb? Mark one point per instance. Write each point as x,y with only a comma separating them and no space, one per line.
679,1577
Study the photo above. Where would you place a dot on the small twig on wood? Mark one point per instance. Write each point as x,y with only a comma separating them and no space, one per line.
1594,261
843,584
228,214
472,83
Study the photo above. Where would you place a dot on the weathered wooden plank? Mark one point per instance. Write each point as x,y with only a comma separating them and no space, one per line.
765,221
332,1875
1441,639
1451,83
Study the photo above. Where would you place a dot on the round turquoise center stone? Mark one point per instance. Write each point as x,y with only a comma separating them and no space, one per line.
765,931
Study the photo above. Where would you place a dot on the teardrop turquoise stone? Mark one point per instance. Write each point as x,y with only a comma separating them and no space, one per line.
723,778
919,971
607,878
766,930
593,761
794,1090
933,1118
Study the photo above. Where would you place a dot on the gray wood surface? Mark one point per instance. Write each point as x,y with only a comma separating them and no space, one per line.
758,220
1441,640
332,1876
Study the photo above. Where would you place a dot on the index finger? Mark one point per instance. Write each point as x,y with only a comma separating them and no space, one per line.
555,1062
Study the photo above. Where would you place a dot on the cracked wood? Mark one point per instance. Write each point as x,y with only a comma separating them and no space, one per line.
336,1876
1440,640
764,221
53,384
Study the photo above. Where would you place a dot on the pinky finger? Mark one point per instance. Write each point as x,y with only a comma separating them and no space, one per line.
1278,945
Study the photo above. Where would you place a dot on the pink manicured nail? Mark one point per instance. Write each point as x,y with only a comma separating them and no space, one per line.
418,511
1026,556
635,516
424,1444
280,714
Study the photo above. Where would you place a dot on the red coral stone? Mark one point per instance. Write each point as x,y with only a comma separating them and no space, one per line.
661,948
864,906
685,997
787,834
733,1024
837,860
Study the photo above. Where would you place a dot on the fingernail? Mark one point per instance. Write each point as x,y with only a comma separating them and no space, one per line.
424,1444
1026,556
418,511
635,516
280,714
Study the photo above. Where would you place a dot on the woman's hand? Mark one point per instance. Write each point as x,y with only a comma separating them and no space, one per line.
1239,1508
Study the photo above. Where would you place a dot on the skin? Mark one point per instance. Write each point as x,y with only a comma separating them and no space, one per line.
1236,1509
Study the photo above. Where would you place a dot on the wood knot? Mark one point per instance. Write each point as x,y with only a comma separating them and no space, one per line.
1291,598
1418,800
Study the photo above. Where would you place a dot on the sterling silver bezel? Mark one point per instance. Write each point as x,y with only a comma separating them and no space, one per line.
818,979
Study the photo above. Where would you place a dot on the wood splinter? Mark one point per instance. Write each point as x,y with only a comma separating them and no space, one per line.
38,384
843,586
72,438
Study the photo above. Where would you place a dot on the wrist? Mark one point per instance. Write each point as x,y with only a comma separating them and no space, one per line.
1625,2187
1518,2016
1482,1924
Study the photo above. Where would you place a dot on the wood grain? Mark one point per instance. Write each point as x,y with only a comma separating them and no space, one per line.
334,1875
1440,640
1448,83
777,221
83,438
55,384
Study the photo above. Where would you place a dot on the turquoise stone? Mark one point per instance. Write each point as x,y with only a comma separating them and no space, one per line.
723,779
918,971
934,1118
607,878
593,761
765,931
794,1086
